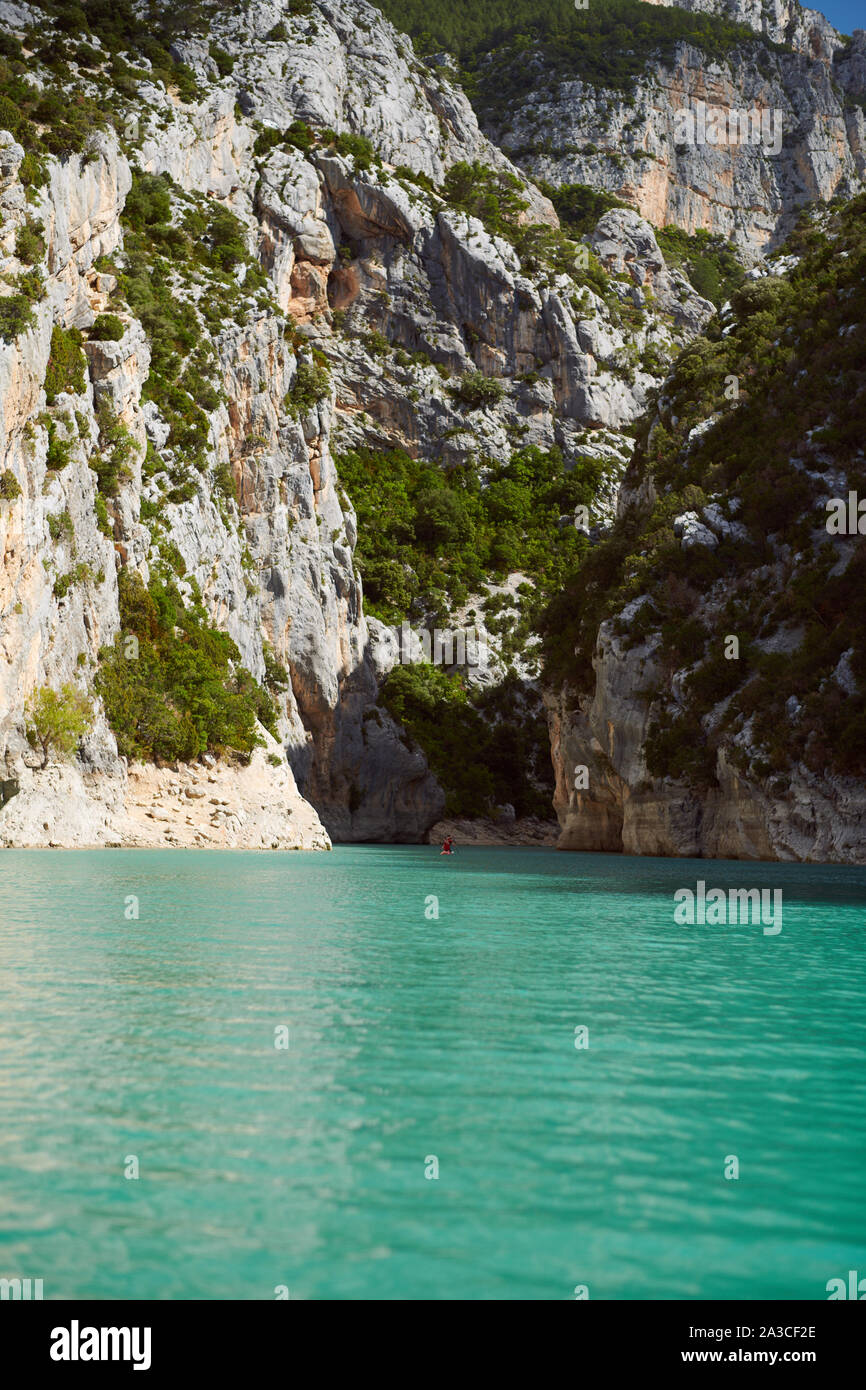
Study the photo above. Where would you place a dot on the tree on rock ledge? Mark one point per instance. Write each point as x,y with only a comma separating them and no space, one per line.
58,720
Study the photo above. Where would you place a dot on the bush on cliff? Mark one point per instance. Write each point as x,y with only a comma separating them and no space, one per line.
107,328
57,721
10,488
67,365
311,385
172,683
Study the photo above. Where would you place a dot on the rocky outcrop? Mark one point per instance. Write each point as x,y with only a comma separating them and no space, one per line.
208,805
783,21
508,831
709,716
390,258
607,803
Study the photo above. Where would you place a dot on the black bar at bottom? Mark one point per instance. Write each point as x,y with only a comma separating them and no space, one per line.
59,1339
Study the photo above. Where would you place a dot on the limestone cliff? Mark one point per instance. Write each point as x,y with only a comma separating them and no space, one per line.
575,103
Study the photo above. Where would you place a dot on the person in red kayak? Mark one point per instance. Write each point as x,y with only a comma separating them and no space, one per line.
446,846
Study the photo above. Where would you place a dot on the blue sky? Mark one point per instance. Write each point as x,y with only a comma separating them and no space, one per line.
845,15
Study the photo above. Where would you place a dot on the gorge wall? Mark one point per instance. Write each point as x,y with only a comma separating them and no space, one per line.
599,99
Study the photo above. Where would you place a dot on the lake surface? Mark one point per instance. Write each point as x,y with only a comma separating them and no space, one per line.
412,1038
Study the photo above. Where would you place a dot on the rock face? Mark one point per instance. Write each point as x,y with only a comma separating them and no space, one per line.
673,744
599,743
636,143
525,830
200,806
291,529
783,21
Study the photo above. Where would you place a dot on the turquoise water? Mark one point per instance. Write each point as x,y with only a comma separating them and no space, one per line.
411,1037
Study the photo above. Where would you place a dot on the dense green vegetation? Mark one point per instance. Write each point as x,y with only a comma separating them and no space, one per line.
29,242
709,261
786,375
608,45
18,309
181,690
505,729
579,207
107,328
312,384
10,488
428,538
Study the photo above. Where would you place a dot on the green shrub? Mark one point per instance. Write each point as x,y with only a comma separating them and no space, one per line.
224,480
59,450
116,449
67,365
32,171
312,384
29,243
358,147
506,730
148,202
268,139
276,675
477,390
102,520
16,316
60,526
10,488
185,691
300,135
376,343
58,720
224,61
11,115
107,328
226,235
